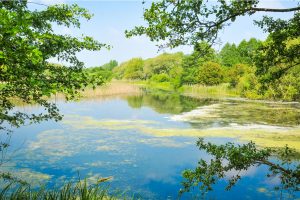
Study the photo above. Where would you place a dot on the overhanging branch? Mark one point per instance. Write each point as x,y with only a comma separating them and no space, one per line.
276,9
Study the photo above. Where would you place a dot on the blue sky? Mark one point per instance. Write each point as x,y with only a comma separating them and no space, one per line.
112,18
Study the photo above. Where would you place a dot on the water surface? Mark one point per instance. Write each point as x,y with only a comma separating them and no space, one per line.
145,141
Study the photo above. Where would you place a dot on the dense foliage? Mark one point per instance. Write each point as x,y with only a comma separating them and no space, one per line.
237,65
274,60
163,68
187,22
103,72
27,41
238,158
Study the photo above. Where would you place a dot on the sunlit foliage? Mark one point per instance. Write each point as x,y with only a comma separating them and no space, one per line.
27,41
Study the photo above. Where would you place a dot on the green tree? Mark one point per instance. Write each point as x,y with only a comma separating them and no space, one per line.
244,53
190,70
132,69
238,71
229,55
164,63
103,72
188,22
286,88
280,52
210,73
27,41
202,53
247,50
110,65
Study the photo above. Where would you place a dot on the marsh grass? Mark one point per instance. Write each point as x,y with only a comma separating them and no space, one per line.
222,90
166,86
80,190
113,88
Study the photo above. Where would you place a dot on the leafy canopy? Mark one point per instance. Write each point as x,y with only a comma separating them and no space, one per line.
186,22
27,41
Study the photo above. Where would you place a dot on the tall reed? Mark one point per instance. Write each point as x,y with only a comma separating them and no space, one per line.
112,88
222,90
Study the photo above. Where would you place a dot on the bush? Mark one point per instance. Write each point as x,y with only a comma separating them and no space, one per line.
160,78
236,72
210,73
286,88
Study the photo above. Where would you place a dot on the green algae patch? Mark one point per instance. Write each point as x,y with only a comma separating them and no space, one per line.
30,176
262,135
86,122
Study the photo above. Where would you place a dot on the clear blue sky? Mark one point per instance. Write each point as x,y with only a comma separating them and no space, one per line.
112,18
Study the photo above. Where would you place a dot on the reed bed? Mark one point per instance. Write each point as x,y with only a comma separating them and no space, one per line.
112,89
222,90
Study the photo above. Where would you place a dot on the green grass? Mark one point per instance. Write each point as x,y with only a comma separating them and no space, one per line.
69,191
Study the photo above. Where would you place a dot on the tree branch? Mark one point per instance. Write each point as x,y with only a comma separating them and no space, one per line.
275,9
268,163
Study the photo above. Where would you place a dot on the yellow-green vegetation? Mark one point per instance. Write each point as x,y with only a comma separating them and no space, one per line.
264,136
29,176
222,90
234,71
113,88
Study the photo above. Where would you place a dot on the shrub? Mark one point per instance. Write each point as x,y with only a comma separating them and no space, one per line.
160,78
210,73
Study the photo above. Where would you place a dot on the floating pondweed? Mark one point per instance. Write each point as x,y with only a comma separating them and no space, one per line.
263,135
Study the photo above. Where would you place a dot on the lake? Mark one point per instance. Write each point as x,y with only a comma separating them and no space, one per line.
145,141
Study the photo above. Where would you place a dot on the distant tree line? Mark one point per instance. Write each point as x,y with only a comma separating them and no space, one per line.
241,66
103,72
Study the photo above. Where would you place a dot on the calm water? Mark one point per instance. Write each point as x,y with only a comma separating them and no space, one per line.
145,141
